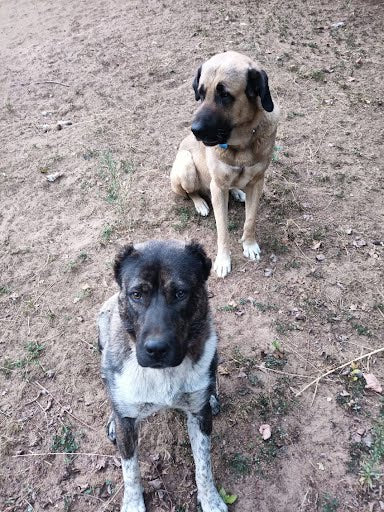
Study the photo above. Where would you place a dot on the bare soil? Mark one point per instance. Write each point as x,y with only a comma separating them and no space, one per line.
121,72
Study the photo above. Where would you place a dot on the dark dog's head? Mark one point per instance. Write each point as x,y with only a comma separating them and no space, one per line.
233,89
163,300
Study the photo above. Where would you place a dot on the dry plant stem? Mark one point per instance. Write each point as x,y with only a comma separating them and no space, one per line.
113,497
61,405
264,368
316,381
46,454
52,82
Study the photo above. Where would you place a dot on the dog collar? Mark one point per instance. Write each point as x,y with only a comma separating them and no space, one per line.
225,146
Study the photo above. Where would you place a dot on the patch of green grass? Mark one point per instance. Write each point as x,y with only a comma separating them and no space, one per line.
34,350
264,307
362,330
74,264
110,173
33,353
229,308
329,503
292,115
4,290
317,74
127,167
292,264
65,441
276,151
356,453
284,327
240,464
106,233
371,472
184,216
90,153
233,226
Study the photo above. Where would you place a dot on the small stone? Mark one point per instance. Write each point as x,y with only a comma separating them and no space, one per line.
320,257
156,484
359,243
361,431
268,272
45,128
367,440
55,176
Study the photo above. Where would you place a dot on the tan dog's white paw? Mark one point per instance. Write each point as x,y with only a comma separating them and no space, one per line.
238,195
200,205
251,250
222,265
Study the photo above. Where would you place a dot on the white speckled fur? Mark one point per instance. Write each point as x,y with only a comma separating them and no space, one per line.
139,392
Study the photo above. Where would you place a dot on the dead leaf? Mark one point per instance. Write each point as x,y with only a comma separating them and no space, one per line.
372,382
265,431
223,370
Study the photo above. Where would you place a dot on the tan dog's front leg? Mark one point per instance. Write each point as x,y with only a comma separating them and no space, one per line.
253,192
219,198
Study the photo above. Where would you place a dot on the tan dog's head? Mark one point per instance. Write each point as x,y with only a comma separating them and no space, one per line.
233,90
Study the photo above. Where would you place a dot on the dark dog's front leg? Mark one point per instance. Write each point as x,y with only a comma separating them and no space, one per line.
126,439
199,429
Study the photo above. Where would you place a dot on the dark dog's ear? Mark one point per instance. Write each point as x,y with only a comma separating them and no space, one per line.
257,85
124,253
195,84
198,252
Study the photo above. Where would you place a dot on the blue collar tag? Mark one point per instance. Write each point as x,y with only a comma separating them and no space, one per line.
223,146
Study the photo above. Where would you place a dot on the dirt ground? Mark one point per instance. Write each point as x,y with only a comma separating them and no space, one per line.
121,73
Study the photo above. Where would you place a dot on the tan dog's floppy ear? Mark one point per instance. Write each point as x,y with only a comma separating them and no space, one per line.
124,253
257,85
197,250
195,84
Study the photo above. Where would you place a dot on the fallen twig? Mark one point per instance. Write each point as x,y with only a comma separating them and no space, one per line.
52,82
46,454
61,405
113,497
260,367
316,381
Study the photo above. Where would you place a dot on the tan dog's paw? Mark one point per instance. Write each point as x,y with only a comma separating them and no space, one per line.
200,205
222,265
238,195
251,250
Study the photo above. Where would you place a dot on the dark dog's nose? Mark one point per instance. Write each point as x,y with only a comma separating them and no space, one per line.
156,349
198,129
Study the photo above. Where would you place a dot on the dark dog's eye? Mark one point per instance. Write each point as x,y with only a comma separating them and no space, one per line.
136,295
180,294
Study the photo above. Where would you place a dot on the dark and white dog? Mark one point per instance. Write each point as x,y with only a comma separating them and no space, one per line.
158,347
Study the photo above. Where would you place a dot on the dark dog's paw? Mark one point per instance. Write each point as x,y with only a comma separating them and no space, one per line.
215,405
111,429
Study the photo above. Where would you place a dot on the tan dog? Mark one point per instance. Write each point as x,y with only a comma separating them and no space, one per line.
231,146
